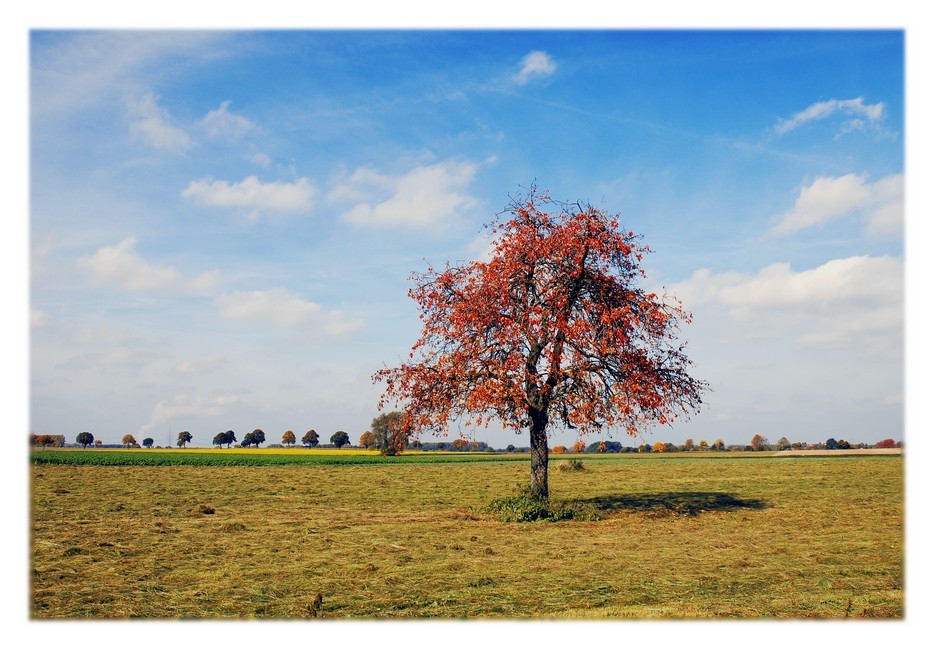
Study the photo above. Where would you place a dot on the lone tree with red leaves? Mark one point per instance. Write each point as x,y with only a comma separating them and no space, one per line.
553,329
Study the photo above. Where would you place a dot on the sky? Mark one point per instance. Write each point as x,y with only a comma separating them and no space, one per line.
222,224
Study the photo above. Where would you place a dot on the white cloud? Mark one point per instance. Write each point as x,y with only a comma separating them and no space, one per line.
123,266
879,203
199,365
188,407
221,124
261,159
839,302
151,124
284,309
426,196
534,65
254,195
860,114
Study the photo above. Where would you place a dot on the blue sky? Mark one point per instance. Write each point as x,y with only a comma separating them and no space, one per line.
222,224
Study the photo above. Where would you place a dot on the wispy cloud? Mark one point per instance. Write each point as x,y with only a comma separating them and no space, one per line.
860,114
880,204
284,309
427,196
535,65
221,124
151,124
254,195
188,407
123,266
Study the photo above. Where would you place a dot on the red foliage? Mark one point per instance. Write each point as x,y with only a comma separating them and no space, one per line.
553,327
888,443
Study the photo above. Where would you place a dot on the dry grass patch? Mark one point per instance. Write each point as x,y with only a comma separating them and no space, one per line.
782,538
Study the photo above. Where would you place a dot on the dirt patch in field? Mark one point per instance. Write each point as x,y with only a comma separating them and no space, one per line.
838,452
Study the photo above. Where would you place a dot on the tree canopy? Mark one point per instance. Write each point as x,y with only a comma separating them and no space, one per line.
310,438
390,433
85,439
340,439
553,328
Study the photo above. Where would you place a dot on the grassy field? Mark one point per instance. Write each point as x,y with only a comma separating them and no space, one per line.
679,537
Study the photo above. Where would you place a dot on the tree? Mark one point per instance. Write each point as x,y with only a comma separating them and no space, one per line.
460,444
888,443
367,441
390,433
340,439
288,438
98,443
579,446
718,444
310,439
831,443
256,437
128,440
148,442
85,439
689,444
559,449
659,448
783,444
183,438
702,445
554,328
759,443
219,439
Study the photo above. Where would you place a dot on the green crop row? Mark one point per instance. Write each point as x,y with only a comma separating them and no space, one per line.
157,458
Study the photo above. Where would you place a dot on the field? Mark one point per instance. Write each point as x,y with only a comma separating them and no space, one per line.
674,536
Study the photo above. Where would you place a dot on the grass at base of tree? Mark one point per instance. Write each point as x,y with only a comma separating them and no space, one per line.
679,538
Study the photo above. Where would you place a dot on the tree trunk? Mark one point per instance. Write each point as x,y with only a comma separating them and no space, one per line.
538,437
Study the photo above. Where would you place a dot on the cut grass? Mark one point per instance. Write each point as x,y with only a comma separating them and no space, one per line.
679,538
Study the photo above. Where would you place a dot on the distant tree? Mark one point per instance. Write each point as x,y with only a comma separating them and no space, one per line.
510,448
288,438
579,447
842,444
601,447
148,442
183,438
219,439
367,441
888,443
783,444
85,439
702,445
759,443
230,437
659,448
718,444
255,438
460,444
689,444
98,443
340,439
559,449
129,440
798,445
310,439
830,444
390,433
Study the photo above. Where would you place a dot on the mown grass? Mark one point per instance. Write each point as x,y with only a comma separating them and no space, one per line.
677,538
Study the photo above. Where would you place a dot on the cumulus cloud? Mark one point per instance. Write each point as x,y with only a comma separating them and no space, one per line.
880,204
841,301
535,65
123,266
860,115
284,309
221,124
427,196
254,195
151,124
185,406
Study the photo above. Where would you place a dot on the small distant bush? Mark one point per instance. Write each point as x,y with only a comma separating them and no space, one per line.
573,465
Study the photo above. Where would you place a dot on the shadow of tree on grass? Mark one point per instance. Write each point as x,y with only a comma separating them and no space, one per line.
681,503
